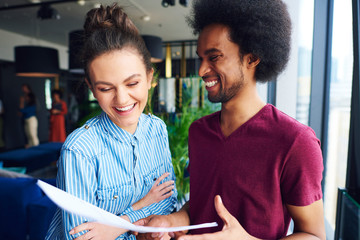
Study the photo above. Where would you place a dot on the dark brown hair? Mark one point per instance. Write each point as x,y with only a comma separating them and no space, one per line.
107,29
58,92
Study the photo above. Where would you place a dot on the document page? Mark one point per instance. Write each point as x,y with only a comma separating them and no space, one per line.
80,207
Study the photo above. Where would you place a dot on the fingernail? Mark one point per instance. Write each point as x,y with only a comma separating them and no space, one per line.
71,231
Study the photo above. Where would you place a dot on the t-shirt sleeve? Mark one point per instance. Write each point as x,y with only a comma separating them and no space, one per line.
302,173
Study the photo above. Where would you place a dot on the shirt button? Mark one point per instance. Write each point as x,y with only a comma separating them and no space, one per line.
116,196
86,127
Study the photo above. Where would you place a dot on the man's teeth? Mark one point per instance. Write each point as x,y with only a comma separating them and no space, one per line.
211,83
125,108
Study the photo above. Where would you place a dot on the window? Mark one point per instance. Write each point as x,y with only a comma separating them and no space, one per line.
48,99
305,39
339,107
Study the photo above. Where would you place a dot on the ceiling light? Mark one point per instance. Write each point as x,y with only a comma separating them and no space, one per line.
47,12
76,43
185,3
154,45
81,2
36,61
146,18
166,3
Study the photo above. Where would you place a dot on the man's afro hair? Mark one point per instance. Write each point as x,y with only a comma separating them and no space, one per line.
259,27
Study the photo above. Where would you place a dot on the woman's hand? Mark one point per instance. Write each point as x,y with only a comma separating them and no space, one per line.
157,193
55,111
97,231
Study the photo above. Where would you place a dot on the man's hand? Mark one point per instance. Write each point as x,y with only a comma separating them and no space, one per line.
231,230
180,218
154,221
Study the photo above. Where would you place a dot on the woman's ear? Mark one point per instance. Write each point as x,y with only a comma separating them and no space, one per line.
88,83
150,77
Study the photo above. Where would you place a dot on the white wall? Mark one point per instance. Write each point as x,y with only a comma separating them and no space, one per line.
9,40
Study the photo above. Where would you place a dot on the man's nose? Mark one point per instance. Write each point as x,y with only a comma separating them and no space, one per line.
204,68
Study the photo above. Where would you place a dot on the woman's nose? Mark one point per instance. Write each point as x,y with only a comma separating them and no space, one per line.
121,97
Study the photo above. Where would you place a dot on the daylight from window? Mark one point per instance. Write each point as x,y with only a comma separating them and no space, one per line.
339,109
305,40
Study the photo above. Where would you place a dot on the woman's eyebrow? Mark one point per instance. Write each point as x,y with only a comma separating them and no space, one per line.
125,80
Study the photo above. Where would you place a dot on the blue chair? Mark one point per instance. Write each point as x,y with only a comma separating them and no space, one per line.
33,158
25,212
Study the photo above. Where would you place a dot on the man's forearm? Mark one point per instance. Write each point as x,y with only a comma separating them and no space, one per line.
181,217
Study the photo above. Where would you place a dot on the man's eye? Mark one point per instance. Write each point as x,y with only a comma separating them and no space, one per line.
214,58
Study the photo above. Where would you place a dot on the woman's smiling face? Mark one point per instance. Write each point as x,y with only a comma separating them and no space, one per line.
120,83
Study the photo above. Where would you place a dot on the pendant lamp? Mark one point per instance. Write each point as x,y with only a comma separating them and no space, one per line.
76,42
154,45
35,61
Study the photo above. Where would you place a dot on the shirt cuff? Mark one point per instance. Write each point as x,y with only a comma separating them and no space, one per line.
136,215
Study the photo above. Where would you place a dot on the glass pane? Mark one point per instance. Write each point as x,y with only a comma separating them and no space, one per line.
339,110
349,218
305,38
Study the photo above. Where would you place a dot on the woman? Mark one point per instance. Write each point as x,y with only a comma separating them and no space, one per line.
57,117
120,160
28,111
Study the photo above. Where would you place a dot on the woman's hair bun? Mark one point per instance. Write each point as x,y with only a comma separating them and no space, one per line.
108,17
107,29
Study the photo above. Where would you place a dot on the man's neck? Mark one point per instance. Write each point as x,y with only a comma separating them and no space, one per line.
238,111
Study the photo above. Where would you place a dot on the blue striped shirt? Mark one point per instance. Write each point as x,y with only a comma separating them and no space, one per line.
112,169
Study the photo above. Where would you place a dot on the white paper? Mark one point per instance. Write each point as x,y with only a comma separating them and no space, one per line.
82,208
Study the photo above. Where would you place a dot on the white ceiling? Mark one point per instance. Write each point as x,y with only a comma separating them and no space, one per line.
168,23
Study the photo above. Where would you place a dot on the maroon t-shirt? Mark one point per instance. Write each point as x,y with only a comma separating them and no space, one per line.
268,162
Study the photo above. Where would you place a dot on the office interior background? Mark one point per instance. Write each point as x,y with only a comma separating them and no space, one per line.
320,86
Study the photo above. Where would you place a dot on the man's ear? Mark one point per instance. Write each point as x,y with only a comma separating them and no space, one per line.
252,61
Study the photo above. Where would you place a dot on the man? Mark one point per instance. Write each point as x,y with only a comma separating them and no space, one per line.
256,161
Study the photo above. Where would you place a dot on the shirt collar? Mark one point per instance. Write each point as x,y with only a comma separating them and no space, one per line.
119,133
140,131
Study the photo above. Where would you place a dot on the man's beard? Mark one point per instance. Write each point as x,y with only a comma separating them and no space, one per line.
224,95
